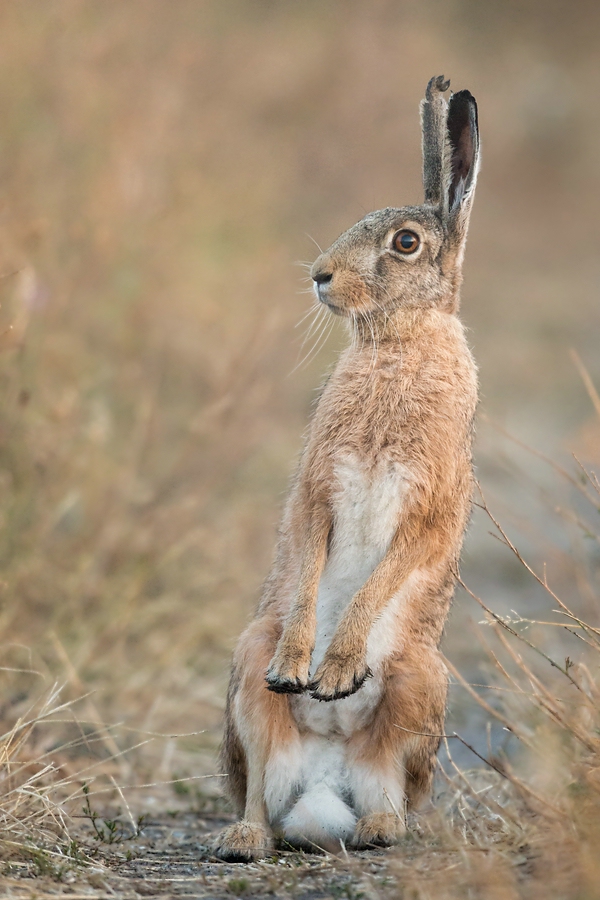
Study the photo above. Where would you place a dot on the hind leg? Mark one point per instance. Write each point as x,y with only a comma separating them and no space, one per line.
392,762
379,801
251,837
425,712
258,722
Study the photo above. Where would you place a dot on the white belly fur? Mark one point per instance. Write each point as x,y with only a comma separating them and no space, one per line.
366,508
309,786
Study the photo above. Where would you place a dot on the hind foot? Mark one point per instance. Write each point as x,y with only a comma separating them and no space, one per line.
243,842
378,830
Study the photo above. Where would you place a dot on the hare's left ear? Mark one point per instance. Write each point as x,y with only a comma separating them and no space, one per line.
436,156
461,163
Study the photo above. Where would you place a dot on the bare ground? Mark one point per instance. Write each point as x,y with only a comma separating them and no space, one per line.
172,858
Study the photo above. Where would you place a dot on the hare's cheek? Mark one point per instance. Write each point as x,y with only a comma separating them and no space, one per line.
348,293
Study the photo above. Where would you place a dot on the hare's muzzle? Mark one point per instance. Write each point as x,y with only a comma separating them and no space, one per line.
322,280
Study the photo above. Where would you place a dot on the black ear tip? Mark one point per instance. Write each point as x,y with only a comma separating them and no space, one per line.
462,107
437,85
465,96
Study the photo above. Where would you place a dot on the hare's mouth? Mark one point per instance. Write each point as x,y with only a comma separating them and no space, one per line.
322,292
323,297
337,310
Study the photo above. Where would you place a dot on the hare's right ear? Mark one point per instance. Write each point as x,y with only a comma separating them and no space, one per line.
463,165
450,154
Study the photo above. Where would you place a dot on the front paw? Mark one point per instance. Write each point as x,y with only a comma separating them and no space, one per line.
287,675
339,677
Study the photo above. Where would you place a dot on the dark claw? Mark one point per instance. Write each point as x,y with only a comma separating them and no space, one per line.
233,856
285,685
357,683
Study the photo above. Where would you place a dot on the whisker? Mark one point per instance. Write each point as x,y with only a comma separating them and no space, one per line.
387,315
316,346
316,325
311,309
372,281
320,316
310,237
374,349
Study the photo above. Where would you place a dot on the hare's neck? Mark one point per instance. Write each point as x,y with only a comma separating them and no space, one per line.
398,327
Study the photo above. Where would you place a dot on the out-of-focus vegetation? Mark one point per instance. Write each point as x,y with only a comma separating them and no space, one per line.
162,168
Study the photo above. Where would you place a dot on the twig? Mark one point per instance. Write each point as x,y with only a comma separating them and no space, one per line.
541,581
552,463
489,709
549,700
510,777
134,824
520,637
488,800
587,381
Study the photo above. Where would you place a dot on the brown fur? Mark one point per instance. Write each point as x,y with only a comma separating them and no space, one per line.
378,830
403,394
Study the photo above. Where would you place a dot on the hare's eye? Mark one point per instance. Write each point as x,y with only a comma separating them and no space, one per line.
406,241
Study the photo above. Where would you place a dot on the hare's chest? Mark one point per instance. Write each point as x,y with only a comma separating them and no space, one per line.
366,502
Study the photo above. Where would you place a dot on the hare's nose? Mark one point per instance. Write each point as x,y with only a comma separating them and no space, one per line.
322,277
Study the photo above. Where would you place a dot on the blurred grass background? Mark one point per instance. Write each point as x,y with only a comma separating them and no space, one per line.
163,166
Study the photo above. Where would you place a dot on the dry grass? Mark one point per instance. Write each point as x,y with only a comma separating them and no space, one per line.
160,166
526,823
34,824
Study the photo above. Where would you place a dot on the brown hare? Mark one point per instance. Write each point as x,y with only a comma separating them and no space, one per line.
338,689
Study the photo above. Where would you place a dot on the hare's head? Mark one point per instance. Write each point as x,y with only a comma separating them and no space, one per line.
412,256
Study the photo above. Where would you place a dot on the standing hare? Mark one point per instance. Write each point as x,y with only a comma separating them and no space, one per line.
338,690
